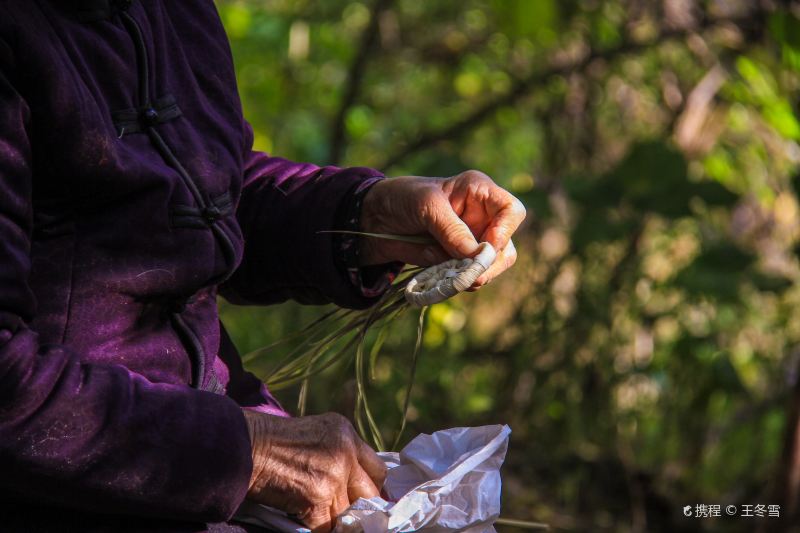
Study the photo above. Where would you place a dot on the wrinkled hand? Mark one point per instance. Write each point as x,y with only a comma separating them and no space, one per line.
455,211
312,467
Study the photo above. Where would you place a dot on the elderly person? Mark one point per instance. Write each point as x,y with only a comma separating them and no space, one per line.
130,197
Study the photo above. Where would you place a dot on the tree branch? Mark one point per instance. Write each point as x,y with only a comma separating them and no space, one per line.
524,86
338,138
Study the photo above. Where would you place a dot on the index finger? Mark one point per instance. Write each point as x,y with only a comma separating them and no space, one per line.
448,229
374,467
508,214
360,486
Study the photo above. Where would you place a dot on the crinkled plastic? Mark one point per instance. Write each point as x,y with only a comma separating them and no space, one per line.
446,481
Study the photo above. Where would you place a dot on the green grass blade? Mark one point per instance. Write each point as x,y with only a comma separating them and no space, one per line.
386,305
379,340
302,373
524,524
302,398
304,331
375,433
362,431
415,239
412,376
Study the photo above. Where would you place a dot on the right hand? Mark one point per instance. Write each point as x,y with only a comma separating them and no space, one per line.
312,467
457,211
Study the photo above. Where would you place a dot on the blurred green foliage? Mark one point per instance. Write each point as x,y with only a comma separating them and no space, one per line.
645,346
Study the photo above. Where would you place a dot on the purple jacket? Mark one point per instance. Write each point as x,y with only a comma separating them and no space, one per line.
129,197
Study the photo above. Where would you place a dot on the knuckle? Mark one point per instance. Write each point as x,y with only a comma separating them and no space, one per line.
340,431
314,499
317,512
337,420
473,174
319,508
479,191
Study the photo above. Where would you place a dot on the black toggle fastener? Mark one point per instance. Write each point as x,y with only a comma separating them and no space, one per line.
150,116
212,213
139,119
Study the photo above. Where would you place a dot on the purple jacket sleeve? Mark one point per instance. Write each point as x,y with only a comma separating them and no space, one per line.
284,212
97,437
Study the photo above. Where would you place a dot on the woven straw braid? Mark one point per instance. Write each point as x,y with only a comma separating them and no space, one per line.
438,283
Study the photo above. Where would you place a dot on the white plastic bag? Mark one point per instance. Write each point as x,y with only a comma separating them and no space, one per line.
443,482
447,481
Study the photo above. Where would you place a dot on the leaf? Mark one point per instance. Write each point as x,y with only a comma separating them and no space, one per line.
780,116
516,19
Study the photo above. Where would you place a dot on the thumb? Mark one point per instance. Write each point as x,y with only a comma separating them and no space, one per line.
447,228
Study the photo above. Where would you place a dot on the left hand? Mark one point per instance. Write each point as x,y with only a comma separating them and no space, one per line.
455,211
311,466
